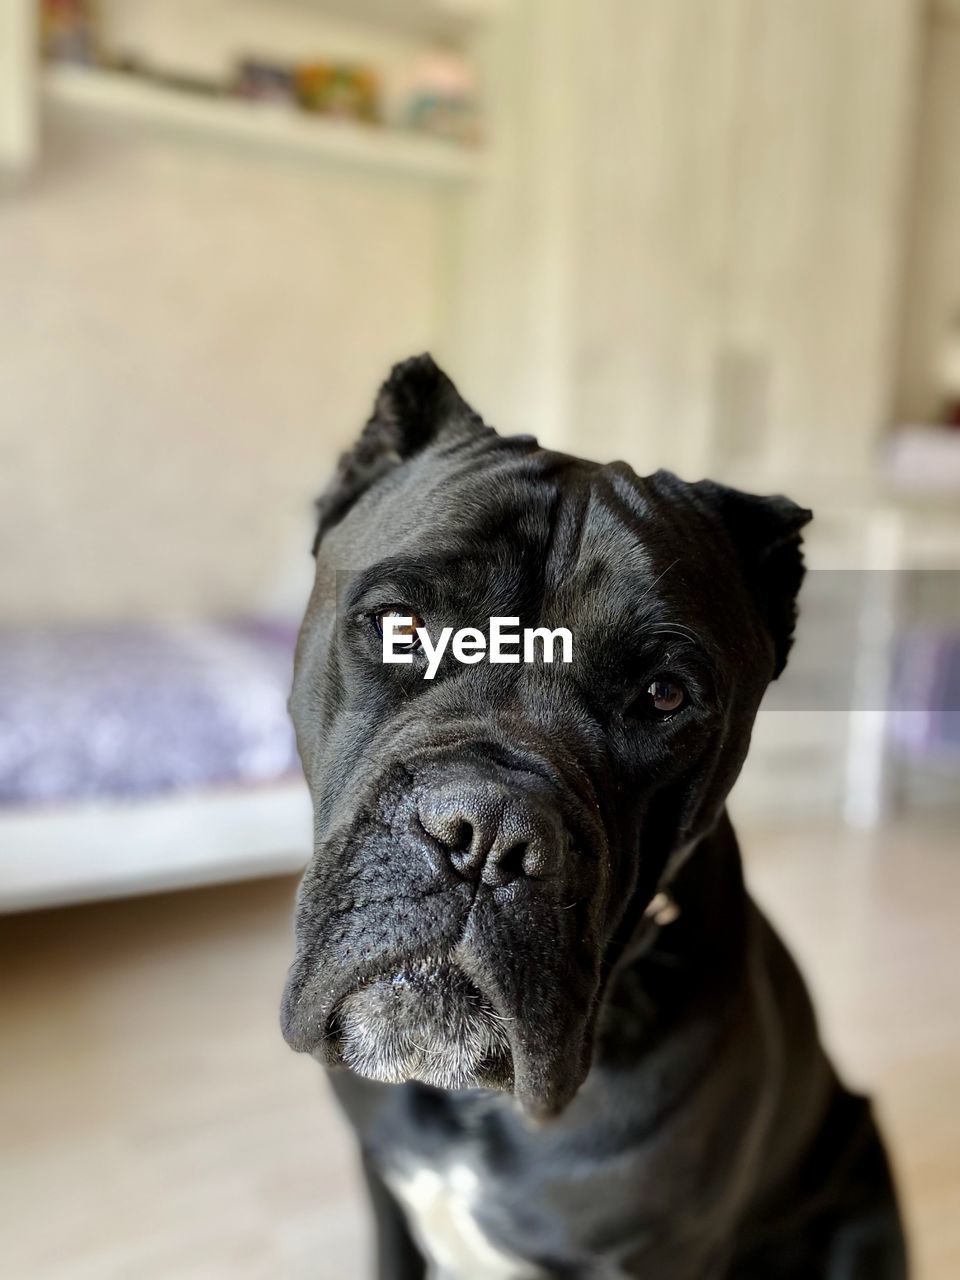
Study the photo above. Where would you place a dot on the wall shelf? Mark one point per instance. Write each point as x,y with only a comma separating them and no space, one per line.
280,129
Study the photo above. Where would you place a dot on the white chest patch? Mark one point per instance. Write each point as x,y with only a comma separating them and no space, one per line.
439,1205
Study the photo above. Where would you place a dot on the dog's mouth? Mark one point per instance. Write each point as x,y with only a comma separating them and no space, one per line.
427,1022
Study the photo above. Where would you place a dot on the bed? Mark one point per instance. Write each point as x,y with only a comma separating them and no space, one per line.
142,756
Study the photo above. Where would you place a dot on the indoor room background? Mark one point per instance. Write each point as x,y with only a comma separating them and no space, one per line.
718,236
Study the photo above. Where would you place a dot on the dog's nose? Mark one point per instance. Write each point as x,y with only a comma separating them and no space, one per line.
491,833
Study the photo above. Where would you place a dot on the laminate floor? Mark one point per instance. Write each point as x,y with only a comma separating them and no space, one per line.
153,1125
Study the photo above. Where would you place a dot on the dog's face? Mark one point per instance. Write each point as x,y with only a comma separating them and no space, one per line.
487,842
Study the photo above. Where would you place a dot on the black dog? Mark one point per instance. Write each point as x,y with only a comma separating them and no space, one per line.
574,1045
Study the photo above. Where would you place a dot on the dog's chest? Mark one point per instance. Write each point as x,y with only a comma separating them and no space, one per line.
440,1205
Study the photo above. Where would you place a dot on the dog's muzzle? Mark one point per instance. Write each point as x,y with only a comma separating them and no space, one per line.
449,935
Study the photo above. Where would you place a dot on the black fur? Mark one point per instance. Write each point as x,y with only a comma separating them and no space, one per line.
653,1101
415,403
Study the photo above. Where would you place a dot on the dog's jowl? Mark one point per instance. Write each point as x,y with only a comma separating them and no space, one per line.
568,1041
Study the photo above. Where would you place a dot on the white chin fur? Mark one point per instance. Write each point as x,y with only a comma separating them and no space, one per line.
429,1026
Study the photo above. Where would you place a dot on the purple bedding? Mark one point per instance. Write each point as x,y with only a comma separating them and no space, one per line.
136,710
926,694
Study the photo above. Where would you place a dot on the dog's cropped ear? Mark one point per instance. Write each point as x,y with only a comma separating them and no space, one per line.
415,406
766,534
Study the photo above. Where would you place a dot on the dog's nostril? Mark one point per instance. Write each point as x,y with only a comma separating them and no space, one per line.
506,864
461,837
449,829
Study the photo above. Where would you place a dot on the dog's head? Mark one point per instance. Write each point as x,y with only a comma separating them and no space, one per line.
487,841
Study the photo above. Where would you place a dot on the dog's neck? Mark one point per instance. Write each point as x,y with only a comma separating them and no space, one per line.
703,880
688,945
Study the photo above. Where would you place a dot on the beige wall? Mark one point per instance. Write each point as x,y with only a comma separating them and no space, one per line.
706,276
932,298
688,253
189,335
192,331
742,222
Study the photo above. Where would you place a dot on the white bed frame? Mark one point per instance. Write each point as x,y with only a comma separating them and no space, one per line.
51,857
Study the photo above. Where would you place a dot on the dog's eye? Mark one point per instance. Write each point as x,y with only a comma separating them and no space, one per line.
405,637
663,696
666,695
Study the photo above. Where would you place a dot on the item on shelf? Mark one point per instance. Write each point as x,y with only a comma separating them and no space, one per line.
262,81
438,94
132,65
128,64
184,82
949,371
69,31
347,91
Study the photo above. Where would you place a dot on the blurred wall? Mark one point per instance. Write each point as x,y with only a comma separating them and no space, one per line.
933,277
739,283
688,251
727,220
190,334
